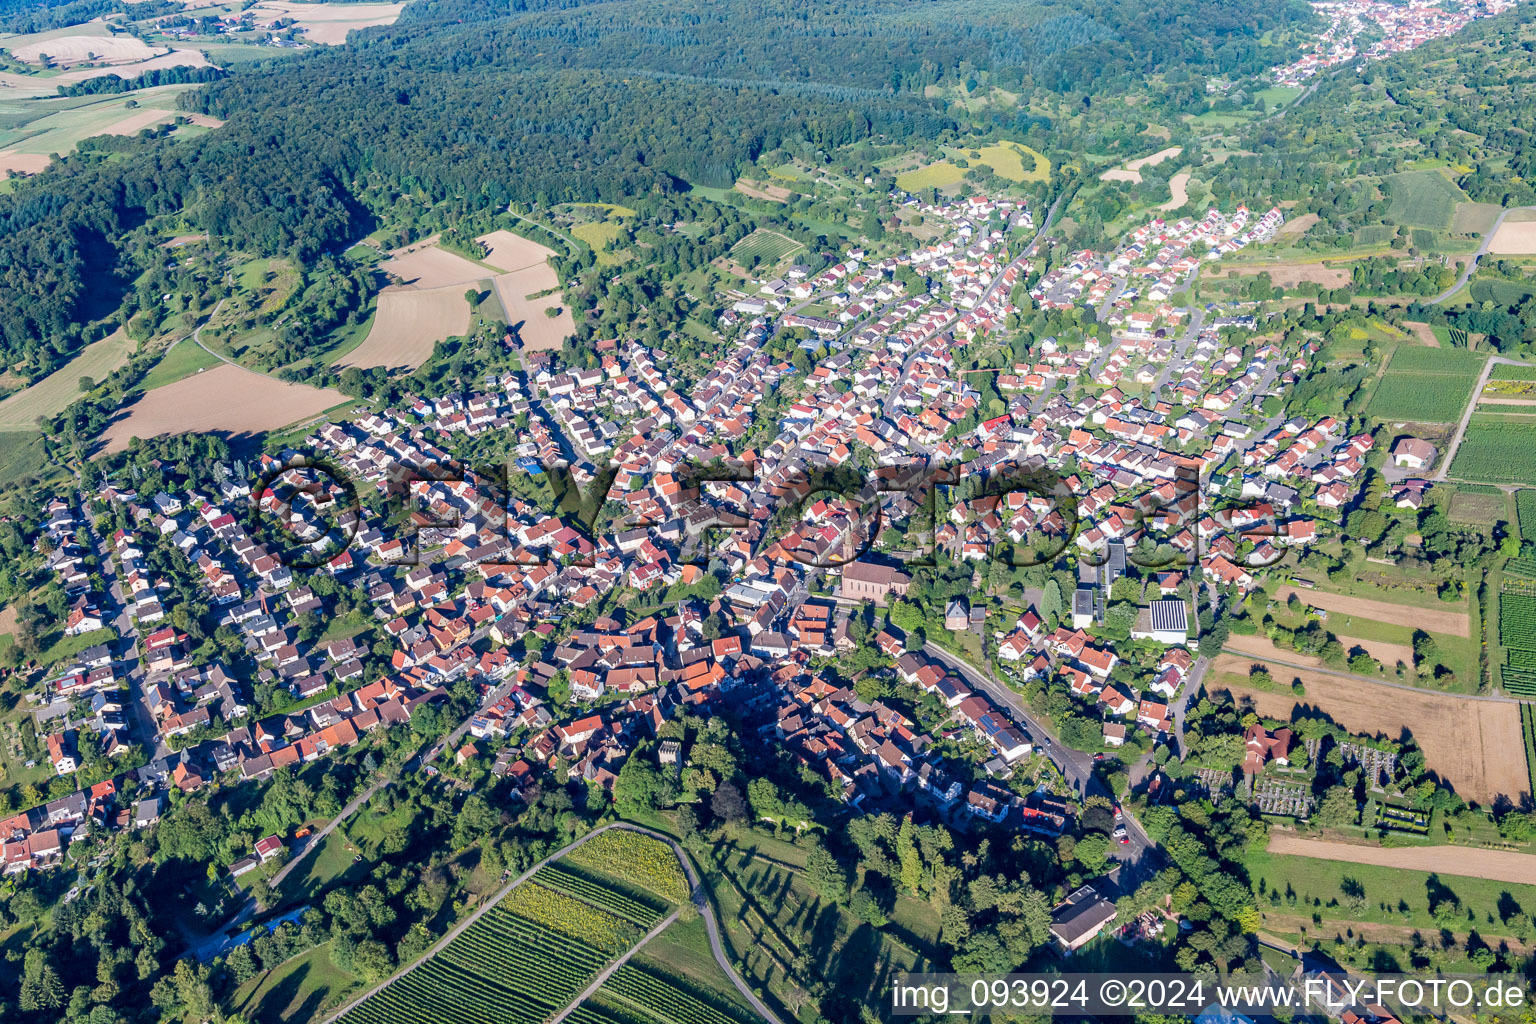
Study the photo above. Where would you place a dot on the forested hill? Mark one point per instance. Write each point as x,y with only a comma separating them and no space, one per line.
552,102
903,45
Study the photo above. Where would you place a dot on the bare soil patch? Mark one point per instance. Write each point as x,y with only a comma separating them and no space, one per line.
1178,185
424,265
227,400
23,163
1389,654
758,190
1485,400
1288,275
1469,861
1427,619
509,251
1474,745
407,324
1514,238
1423,332
1154,159
1297,226
1264,647
1132,170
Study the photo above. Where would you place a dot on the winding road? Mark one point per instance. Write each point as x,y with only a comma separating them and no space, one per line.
1482,250
698,896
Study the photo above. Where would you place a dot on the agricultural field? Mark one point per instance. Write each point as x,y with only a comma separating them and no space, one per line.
1525,511
529,955
508,251
1011,160
1516,236
227,400
1393,894
1517,627
1507,371
31,130
936,175
1495,451
408,324
1528,726
1501,291
1425,385
51,395
763,248
634,858
1423,199
329,23
651,995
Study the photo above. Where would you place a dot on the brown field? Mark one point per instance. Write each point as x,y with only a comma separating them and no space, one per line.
1132,170
1427,619
330,23
79,49
1505,400
23,163
1469,861
407,324
772,193
1178,186
1264,647
1297,226
1288,275
424,265
1474,745
537,330
511,252
227,400
1423,332
1389,654
1514,239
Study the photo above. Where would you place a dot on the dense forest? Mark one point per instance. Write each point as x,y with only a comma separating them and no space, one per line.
547,103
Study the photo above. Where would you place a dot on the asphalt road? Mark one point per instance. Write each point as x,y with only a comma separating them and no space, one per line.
1075,765
1482,250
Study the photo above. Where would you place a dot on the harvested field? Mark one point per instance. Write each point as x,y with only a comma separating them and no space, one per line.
424,265
1264,647
1427,619
1486,400
53,394
1514,239
1132,169
509,251
758,190
1475,745
226,400
1288,275
1388,654
23,163
1297,226
1423,332
64,50
1469,861
1178,185
407,324
330,23
535,327
1154,159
